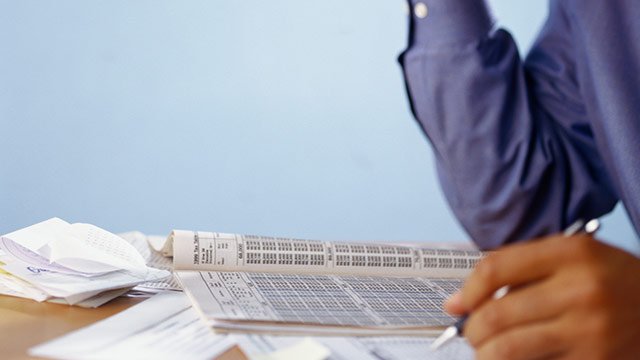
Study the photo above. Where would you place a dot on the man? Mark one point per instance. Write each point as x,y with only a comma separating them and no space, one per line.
524,149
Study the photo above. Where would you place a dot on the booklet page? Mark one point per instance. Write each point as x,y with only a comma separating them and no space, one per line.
356,301
231,252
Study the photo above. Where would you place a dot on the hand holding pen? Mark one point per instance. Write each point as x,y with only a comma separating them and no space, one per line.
457,329
576,298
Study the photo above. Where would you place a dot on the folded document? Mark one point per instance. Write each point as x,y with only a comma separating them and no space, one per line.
261,284
77,264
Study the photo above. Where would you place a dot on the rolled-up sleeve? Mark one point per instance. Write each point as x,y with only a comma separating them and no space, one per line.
515,154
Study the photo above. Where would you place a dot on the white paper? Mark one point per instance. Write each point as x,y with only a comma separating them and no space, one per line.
319,304
75,288
162,327
162,245
81,247
306,348
19,252
13,286
214,251
31,236
142,243
167,327
360,348
401,348
94,301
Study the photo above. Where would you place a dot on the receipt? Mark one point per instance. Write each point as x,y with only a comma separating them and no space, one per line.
75,288
70,262
81,248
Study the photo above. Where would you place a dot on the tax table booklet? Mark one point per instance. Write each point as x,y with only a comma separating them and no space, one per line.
259,284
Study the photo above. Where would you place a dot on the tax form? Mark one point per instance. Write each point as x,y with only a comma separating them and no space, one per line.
167,327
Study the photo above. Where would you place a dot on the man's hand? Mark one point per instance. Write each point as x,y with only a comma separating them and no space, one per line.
570,297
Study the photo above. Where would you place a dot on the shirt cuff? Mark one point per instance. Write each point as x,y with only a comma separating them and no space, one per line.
442,22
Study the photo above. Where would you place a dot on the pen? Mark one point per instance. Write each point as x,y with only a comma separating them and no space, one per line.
589,227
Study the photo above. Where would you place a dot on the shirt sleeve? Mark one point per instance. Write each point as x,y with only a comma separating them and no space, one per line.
514,150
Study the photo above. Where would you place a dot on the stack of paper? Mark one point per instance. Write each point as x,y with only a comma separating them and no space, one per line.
167,327
262,284
142,243
76,264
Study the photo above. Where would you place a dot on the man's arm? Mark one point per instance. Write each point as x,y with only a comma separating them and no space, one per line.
514,149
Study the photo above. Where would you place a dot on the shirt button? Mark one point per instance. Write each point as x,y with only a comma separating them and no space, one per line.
420,10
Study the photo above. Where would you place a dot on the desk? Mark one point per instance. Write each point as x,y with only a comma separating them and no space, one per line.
25,323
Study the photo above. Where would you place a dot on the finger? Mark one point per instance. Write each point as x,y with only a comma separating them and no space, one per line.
521,306
454,304
514,265
535,341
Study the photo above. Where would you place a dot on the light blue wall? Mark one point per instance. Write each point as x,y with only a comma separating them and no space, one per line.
274,117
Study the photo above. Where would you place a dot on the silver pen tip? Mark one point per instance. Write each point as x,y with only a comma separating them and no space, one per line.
446,336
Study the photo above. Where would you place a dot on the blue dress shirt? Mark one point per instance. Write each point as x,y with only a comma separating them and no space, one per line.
524,148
